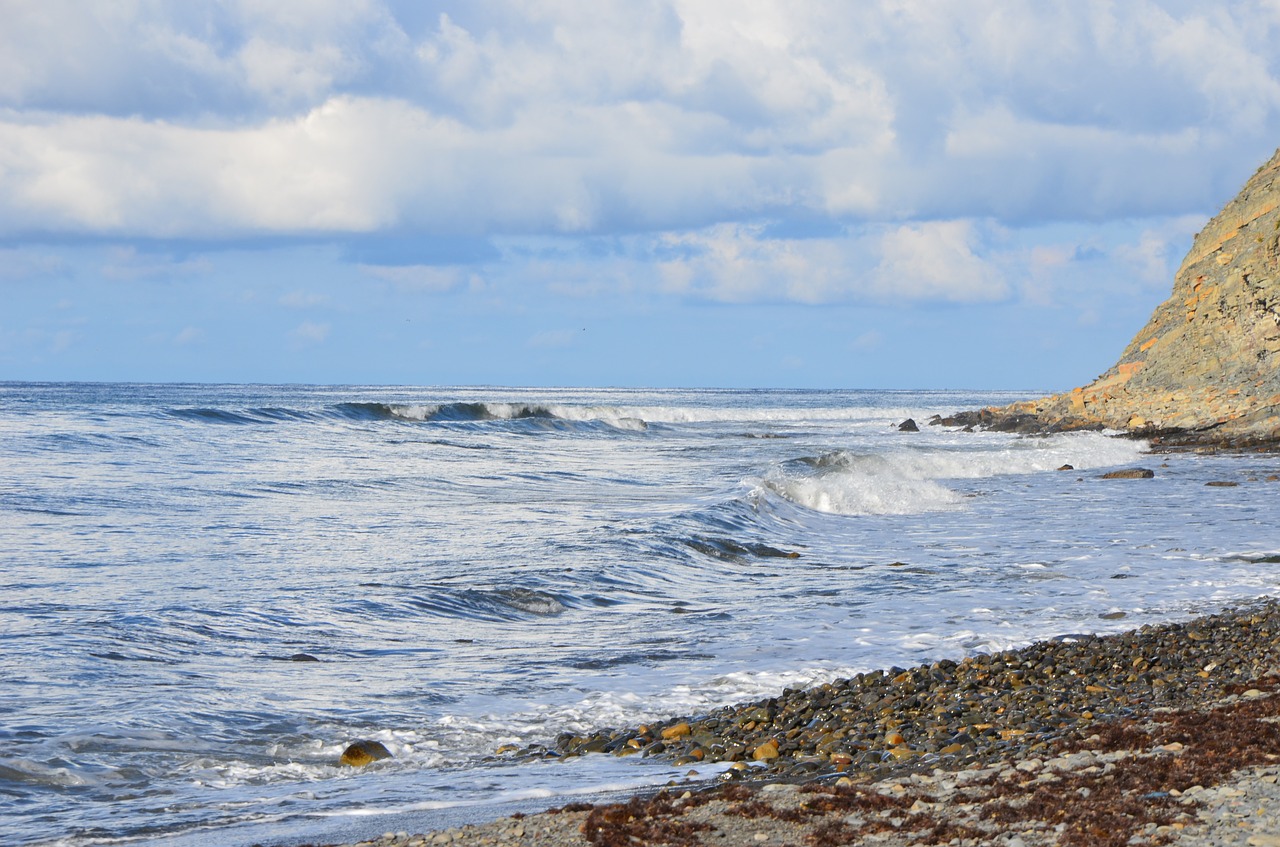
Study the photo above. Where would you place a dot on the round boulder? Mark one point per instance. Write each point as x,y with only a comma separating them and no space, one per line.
364,752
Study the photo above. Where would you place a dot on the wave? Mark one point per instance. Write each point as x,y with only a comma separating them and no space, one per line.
492,605
480,412
734,551
913,481
459,412
758,421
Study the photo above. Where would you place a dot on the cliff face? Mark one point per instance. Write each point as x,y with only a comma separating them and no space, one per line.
1207,364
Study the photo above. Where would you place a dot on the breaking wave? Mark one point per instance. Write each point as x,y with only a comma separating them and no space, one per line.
913,481
460,412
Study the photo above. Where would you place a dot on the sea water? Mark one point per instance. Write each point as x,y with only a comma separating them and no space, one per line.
480,567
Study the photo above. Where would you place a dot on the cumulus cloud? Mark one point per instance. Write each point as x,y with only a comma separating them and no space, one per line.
1158,251
936,260
916,130
234,118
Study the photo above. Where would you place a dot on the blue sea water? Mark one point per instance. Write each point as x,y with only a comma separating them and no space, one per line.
476,567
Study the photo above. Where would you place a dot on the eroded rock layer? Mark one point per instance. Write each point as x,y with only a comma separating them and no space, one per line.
1207,364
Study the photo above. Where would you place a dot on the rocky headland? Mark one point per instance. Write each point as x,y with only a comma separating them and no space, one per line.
1205,370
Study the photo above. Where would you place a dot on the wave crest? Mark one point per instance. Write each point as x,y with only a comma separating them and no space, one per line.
912,480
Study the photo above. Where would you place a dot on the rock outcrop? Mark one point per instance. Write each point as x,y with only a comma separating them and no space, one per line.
1206,367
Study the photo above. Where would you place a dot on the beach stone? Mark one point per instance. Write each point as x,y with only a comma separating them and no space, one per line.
909,425
1129,473
680,730
363,752
766,751
976,711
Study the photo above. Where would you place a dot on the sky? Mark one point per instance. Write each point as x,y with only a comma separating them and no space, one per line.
880,194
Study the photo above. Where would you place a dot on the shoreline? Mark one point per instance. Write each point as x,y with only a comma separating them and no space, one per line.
1216,437
926,728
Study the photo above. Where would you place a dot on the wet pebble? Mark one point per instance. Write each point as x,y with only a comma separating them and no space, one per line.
970,711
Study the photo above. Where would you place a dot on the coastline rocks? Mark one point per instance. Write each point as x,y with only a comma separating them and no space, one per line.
1193,776
1205,370
952,714
1130,473
363,752
909,425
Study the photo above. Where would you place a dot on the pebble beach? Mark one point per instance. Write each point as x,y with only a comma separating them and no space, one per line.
1165,734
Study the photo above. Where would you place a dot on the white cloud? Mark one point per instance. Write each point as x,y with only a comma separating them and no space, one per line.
308,333
936,261
130,263
918,129
928,261
738,263
431,278
284,74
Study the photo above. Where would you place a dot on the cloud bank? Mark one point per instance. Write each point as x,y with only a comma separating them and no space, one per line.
223,120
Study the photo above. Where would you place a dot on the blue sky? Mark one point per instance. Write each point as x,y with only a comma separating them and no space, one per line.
647,192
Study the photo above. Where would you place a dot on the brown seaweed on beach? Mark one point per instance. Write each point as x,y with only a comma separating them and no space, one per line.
640,821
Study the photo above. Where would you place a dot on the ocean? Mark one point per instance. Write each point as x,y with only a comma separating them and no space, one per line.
478,567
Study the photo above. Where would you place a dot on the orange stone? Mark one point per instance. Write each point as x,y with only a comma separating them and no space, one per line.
766,751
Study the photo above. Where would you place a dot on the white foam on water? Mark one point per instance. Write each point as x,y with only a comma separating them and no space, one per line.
864,494
906,480
37,773
639,416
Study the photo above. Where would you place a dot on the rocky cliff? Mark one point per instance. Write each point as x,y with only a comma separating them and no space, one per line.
1206,367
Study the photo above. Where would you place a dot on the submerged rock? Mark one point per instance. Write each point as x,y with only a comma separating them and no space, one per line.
364,752
1130,473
